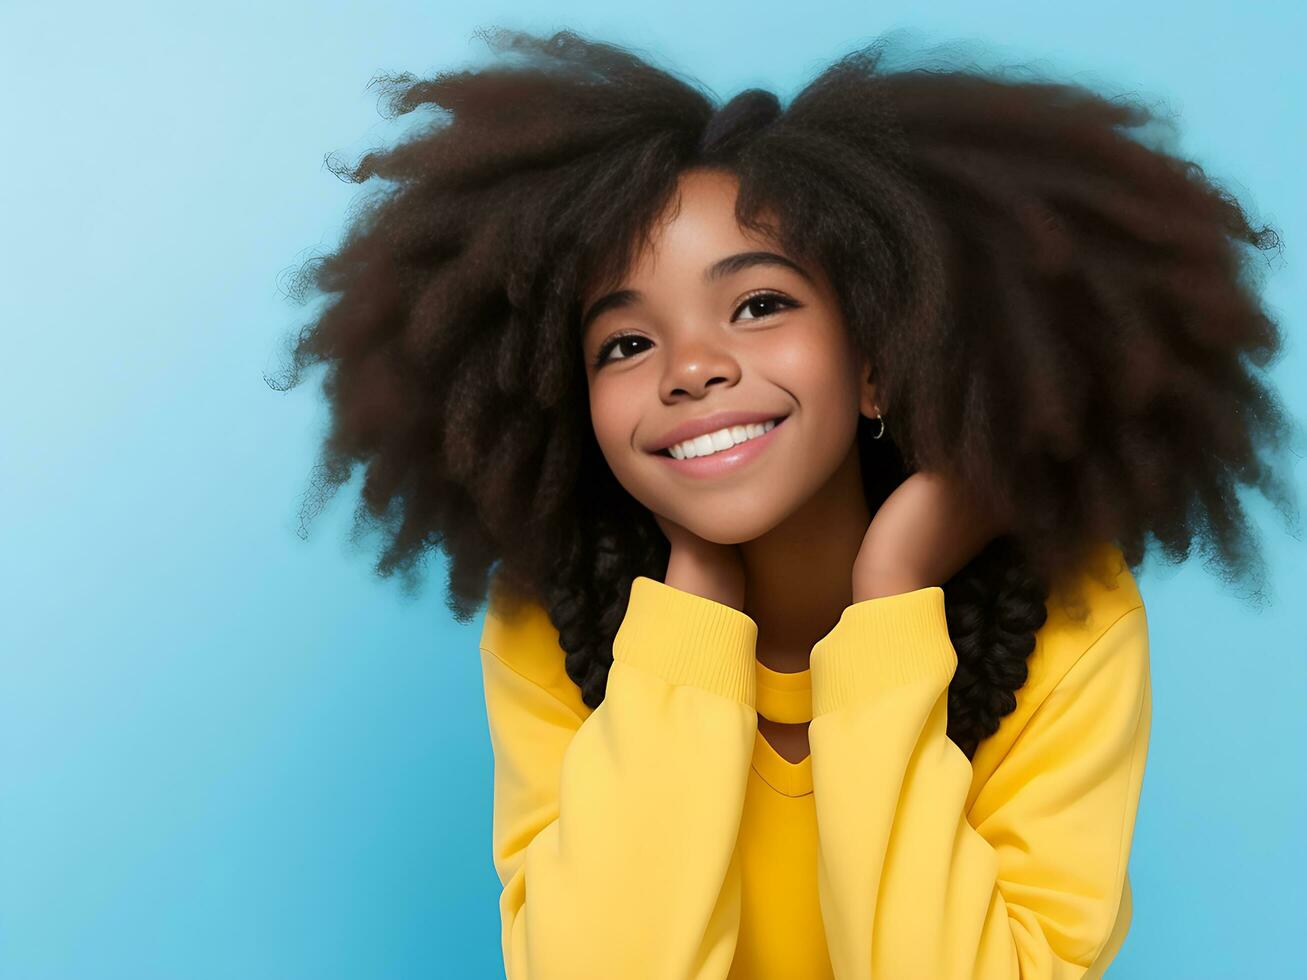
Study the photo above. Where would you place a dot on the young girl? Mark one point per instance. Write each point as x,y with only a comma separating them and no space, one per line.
811,449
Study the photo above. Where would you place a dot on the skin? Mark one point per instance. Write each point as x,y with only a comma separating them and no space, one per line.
788,539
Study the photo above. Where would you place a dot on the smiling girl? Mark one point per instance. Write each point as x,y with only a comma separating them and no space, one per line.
802,455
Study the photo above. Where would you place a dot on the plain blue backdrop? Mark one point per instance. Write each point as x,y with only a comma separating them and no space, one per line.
229,752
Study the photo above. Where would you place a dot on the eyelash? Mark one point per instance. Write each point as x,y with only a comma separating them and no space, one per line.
601,356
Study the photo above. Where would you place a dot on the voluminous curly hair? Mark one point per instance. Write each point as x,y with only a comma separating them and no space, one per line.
1057,314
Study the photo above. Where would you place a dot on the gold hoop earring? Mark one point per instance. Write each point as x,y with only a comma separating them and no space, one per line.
882,426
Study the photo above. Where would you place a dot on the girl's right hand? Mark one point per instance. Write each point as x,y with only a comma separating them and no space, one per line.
703,568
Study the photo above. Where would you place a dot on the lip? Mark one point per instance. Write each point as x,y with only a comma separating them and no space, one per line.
728,460
710,423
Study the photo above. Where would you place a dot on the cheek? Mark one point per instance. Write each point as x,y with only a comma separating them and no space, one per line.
819,373
825,385
615,421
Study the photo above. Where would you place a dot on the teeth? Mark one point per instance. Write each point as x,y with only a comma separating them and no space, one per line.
715,442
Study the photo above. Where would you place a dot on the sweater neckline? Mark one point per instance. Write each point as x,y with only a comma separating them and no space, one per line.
784,697
785,777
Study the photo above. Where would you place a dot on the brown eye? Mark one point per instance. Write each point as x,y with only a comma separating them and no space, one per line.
601,357
768,302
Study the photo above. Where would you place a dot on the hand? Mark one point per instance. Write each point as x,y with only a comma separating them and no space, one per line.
925,531
704,568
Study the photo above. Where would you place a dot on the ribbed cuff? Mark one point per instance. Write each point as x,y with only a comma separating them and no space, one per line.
880,643
687,639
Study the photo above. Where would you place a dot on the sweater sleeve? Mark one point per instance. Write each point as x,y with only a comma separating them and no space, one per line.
908,887
615,837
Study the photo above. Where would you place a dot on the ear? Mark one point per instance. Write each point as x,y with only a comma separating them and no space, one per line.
868,403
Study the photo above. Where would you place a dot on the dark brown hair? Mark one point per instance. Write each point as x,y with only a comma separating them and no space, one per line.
1058,314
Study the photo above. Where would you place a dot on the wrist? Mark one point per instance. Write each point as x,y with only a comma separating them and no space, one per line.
877,586
692,574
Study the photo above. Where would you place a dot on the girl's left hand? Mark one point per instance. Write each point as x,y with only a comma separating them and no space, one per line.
925,531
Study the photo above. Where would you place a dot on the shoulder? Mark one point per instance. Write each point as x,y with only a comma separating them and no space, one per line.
1079,615
520,635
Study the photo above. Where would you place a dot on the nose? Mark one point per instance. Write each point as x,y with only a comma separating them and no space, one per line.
694,365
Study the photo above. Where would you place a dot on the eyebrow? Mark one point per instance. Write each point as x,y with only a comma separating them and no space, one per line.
718,270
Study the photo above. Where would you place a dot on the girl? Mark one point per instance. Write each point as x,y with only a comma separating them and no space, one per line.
811,449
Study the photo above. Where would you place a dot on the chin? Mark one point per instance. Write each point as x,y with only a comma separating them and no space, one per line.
736,528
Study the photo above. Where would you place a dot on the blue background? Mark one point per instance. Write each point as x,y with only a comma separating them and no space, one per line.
227,752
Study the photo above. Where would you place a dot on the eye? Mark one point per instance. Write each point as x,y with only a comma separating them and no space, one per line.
601,356
765,298
761,299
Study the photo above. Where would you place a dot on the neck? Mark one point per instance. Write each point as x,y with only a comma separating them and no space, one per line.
799,575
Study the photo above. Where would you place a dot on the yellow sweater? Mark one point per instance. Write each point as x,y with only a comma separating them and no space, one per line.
661,836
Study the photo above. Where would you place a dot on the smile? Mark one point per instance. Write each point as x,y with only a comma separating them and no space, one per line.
721,461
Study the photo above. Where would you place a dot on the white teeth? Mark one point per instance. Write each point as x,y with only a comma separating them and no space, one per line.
715,442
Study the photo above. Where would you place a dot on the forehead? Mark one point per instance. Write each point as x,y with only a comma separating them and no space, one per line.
698,223
697,227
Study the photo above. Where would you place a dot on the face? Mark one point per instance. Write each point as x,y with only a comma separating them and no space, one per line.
757,336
